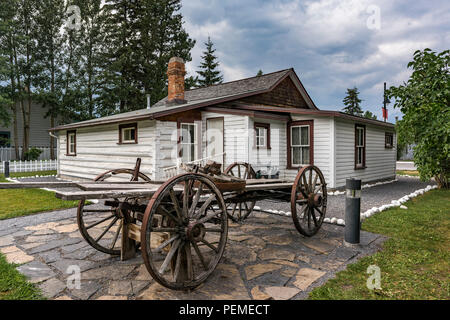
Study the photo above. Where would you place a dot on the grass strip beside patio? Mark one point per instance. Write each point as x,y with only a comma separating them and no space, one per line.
21,202
13,285
408,173
27,174
414,261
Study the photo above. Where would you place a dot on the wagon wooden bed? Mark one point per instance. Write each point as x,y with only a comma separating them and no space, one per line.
181,225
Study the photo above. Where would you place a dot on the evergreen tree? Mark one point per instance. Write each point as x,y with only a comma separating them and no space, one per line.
260,73
352,102
190,82
140,38
209,73
369,115
84,60
49,60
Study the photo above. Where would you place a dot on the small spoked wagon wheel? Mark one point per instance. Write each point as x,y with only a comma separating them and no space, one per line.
184,231
241,210
309,200
101,227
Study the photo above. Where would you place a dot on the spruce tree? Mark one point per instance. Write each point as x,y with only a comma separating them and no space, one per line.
352,102
209,74
260,73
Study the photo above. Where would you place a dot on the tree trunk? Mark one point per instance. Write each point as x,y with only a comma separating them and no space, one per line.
13,97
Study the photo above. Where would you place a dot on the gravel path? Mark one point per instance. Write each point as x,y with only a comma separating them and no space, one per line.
370,197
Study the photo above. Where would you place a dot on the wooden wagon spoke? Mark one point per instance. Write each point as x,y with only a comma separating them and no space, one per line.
209,245
116,236
169,256
165,243
189,263
186,198
319,211
309,217
240,210
310,188
166,212
178,264
200,256
245,173
101,221
107,229
205,205
209,217
195,200
313,215
175,203
239,171
315,183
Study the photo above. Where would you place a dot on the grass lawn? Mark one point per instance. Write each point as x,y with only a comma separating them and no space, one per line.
27,174
21,202
14,286
408,172
414,262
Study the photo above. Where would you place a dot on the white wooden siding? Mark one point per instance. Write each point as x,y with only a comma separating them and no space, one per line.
165,147
97,151
323,158
261,158
380,161
235,136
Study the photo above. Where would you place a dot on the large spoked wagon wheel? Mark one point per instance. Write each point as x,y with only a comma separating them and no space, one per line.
309,200
101,228
241,210
184,231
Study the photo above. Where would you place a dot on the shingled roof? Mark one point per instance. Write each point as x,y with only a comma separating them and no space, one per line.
238,87
202,97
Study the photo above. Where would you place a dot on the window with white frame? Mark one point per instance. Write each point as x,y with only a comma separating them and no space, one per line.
188,142
360,147
261,137
71,143
300,145
128,133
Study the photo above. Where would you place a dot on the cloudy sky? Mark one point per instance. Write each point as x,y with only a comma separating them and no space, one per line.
331,44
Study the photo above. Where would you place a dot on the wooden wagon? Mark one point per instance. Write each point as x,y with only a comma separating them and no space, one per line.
181,225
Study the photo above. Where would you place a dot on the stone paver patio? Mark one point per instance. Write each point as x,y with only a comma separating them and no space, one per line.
265,258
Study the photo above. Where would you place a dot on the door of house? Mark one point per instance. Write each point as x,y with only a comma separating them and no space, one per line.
214,139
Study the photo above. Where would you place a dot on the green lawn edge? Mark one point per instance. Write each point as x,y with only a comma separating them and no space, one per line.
414,261
14,285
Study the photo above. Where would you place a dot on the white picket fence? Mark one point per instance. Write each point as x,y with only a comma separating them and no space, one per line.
30,166
9,153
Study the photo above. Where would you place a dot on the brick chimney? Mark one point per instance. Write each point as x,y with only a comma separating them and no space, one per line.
176,73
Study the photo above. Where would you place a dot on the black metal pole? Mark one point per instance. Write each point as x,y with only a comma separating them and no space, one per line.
7,169
352,210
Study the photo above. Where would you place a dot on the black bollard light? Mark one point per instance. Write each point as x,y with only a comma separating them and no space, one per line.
7,169
352,210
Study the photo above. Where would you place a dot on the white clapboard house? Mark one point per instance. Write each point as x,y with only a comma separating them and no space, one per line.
269,121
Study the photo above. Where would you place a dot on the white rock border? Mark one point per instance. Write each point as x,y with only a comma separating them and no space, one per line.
366,214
